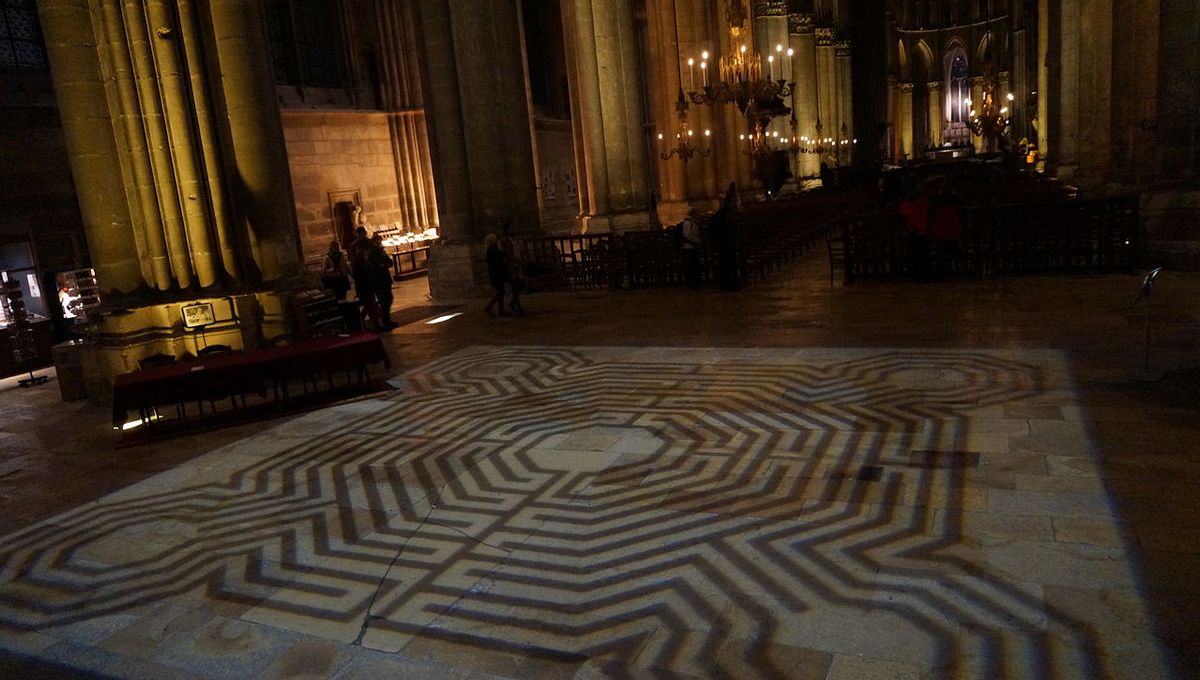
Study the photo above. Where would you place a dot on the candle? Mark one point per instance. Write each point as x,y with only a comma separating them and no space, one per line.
691,74
704,72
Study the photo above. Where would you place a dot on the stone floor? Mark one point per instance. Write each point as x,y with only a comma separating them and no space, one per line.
973,479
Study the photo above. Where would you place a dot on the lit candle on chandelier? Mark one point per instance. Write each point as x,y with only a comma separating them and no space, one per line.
704,73
691,74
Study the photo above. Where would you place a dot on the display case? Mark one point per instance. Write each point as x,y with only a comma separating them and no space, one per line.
25,338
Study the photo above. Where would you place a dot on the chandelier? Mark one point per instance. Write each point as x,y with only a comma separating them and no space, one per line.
991,120
684,136
740,73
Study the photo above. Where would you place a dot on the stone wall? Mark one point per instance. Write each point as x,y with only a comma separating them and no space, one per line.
333,153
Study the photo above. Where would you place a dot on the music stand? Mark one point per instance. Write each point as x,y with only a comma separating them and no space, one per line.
1144,294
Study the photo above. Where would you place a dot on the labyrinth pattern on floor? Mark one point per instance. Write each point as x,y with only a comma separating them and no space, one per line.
641,513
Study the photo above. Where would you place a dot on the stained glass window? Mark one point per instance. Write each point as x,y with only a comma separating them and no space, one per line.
21,46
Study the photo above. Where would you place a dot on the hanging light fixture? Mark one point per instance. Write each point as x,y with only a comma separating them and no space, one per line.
991,120
686,143
740,78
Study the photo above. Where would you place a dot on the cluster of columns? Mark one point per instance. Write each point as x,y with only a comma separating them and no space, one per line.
400,88
175,143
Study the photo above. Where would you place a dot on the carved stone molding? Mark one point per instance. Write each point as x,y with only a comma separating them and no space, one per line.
800,23
934,86
824,37
842,48
770,8
906,88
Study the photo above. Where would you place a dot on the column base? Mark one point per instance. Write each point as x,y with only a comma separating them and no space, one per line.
452,270
120,339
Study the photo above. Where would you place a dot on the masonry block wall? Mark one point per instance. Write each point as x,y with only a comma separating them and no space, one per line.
330,153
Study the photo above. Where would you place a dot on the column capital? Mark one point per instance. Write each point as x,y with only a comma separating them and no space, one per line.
906,88
842,47
770,8
892,80
1004,76
934,86
800,23
824,36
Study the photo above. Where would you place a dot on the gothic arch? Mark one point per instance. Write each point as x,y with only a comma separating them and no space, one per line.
983,52
902,61
925,56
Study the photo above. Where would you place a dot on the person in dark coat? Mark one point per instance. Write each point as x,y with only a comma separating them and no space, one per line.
381,264
498,274
726,229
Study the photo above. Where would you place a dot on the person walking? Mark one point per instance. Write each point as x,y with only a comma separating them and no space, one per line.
516,268
498,273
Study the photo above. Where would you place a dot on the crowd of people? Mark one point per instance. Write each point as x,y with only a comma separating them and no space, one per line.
369,266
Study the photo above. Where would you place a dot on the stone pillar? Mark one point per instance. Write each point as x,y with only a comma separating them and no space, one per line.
937,121
664,70
701,172
150,96
177,150
1095,92
1042,124
479,120
893,129
904,115
827,93
771,41
259,169
402,96
804,96
845,102
96,161
605,81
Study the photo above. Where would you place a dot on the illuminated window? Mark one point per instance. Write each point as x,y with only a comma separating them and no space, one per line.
958,87
21,46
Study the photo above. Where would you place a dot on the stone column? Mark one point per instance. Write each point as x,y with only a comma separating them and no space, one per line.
605,81
1043,86
827,93
937,121
893,132
96,161
904,115
402,96
771,41
262,182
481,148
175,143
1095,91
844,89
804,96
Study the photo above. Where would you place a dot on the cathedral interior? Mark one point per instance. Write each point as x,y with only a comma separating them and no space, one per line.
987,476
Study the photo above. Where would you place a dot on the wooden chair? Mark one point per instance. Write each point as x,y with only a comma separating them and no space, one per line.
837,256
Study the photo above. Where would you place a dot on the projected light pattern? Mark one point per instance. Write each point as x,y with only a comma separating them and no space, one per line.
647,512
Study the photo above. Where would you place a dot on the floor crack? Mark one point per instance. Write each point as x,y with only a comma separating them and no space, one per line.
367,617
472,538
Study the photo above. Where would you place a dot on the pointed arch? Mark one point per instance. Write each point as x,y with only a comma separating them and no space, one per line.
983,52
925,56
956,81
902,61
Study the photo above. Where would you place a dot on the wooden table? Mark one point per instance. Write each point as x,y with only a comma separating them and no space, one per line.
241,373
